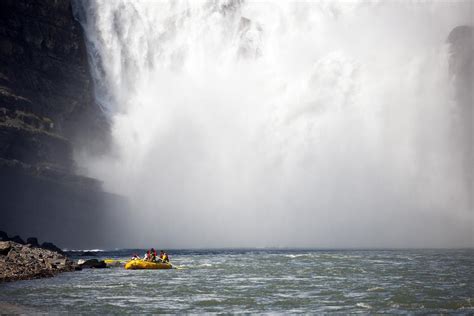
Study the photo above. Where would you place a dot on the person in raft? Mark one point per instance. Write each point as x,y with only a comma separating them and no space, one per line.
164,257
150,255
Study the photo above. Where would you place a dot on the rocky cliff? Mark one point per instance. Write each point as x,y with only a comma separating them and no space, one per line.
461,68
47,111
46,94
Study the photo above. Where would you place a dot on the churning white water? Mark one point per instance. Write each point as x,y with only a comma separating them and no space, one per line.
281,123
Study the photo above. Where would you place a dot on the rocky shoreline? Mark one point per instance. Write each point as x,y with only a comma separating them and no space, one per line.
24,262
20,260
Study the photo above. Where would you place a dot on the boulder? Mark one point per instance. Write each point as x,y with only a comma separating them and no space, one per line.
5,247
52,247
92,264
17,239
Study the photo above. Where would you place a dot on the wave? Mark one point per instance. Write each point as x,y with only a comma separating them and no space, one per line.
306,255
375,289
363,305
84,250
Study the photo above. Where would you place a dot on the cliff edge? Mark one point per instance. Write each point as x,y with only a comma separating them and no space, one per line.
47,110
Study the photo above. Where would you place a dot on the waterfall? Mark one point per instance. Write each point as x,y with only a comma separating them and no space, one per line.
240,123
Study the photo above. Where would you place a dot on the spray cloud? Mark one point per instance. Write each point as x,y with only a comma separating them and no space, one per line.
281,123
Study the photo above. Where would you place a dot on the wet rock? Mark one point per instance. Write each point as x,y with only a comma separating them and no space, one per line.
5,247
93,264
19,262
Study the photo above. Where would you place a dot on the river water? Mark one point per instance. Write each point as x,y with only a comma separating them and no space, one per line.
296,281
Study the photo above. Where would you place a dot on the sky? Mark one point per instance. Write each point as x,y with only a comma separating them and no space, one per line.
282,124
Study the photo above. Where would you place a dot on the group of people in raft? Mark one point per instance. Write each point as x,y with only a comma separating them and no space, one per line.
151,255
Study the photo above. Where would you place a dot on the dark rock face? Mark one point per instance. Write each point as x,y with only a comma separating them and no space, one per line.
3,236
461,41
33,241
17,239
47,110
461,67
70,210
19,262
52,247
46,91
30,242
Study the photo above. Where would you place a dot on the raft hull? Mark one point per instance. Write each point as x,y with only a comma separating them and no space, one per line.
146,265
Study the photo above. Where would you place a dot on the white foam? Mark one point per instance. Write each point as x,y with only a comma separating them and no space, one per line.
84,250
363,305
375,289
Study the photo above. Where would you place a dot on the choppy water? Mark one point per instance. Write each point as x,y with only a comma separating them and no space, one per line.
393,281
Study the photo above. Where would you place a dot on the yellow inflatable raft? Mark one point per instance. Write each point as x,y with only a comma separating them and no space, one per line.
142,264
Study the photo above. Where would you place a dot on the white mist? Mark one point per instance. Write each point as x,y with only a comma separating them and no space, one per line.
281,123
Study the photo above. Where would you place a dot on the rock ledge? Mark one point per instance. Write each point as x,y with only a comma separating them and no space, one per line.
23,262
